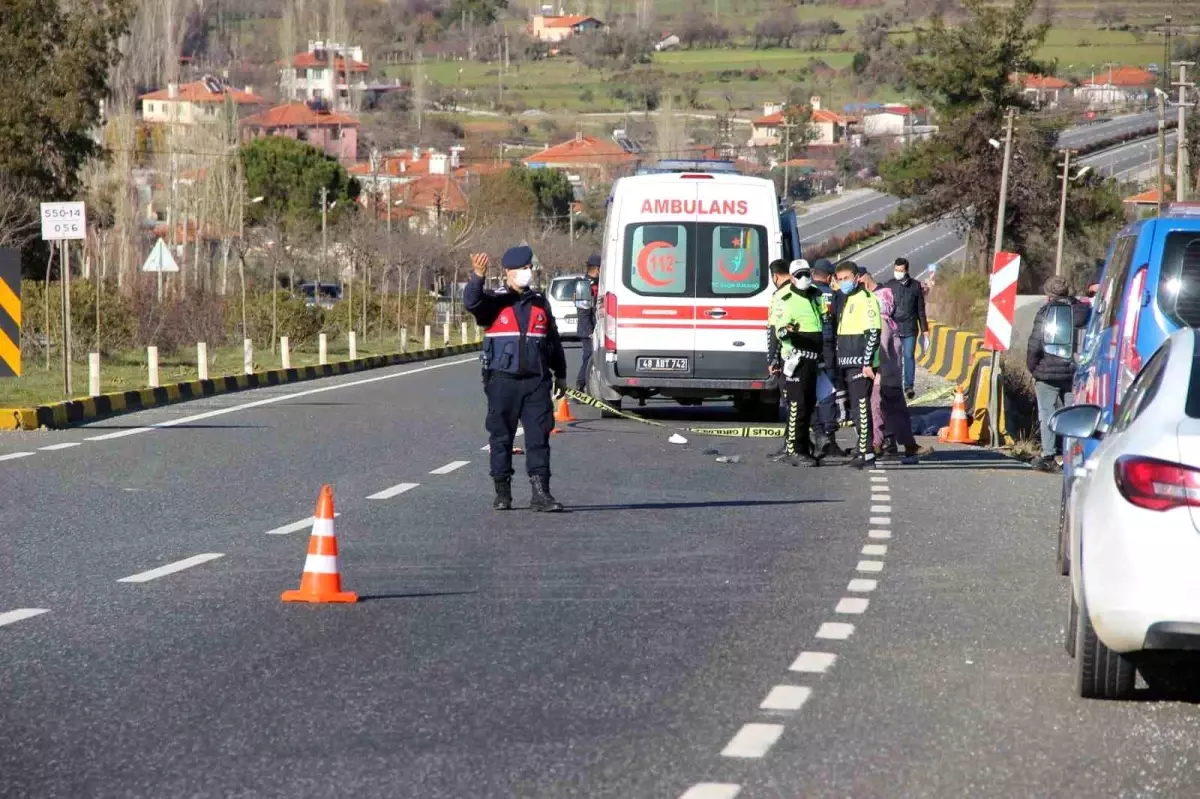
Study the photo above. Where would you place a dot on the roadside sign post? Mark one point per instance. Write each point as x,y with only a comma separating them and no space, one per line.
997,337
160,260
997,248
65,222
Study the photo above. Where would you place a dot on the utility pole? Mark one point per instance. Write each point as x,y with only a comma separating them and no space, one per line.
1062,212
1162,149
787,158
997,247
324,242
1166,68
1182,173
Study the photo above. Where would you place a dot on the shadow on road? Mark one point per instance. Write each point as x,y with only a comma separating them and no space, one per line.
416,595
967,459
735,503
177,427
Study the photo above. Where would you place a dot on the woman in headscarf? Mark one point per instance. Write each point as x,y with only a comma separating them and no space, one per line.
889,410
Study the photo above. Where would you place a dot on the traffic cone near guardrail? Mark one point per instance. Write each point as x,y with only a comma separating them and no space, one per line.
321,581
959,431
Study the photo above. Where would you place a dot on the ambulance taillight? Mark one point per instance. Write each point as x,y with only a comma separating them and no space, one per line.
610,322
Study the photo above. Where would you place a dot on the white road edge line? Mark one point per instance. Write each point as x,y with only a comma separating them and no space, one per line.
862,586
12,456
851,605
788,698
57,447
835,631
295,527
272,400
814,662
753,740
449,467
712,790
20,614
171,568
394,491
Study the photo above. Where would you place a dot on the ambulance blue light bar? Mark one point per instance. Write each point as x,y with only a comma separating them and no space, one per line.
691,166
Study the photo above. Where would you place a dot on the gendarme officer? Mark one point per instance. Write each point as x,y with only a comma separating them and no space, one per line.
521,349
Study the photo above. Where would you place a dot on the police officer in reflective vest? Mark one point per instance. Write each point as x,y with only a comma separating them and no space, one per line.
858,338
521,349
800,342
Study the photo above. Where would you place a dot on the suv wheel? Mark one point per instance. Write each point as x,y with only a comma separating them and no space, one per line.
1102,673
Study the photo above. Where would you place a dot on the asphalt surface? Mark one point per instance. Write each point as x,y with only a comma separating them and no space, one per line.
835,218
1091,133
617,650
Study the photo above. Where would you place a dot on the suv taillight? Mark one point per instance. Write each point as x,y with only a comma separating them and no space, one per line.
610,322
1157,485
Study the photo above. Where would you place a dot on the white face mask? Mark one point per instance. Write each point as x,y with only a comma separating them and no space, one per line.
802,283
521,278
900,275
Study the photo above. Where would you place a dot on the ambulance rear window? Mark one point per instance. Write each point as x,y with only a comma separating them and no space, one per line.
736,260
657,259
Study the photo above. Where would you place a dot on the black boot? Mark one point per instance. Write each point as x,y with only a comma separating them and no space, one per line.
542,500
503,500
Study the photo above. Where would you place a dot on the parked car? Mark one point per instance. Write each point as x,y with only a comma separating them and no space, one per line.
329,295
1133,525
561,294
1149,288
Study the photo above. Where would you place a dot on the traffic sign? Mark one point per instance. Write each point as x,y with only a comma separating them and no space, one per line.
160,259
64,221
1006,267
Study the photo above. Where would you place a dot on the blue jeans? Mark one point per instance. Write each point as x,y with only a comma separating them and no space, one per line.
909,346
1049,399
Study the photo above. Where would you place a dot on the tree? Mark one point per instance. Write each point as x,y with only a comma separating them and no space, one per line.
480,12
288,175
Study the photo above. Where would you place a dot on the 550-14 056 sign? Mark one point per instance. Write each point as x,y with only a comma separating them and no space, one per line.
64,221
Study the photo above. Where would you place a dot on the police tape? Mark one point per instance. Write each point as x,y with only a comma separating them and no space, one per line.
733,431
933,396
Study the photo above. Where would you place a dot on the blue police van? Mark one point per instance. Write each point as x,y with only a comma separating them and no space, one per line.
1150,287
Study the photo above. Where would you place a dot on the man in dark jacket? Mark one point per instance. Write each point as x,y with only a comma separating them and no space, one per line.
910,319
1050,359
826,423
587,321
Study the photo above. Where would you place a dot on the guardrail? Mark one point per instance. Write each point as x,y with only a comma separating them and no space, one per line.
959,356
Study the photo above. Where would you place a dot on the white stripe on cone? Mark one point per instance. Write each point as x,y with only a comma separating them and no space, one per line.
321,564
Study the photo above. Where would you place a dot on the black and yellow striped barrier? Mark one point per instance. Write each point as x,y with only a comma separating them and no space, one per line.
65,414
959,356
10,313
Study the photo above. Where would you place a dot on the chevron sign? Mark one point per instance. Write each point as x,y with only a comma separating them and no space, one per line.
1006,266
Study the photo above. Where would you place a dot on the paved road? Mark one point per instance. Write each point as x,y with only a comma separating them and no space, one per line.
794,633
826,220
933,244
1085,135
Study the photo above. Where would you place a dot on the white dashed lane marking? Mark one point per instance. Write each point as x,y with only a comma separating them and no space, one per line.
878,479
449,467
881,520
862,586
57,447
712,790
881,509
870,566
20,614
879,533
875,549
171,568
396,490
851,606
786,698
12,456
753,740
835,631
294,527
814,662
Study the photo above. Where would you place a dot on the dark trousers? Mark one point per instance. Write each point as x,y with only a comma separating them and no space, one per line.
586,346
827,418
523,401
858,392
800,391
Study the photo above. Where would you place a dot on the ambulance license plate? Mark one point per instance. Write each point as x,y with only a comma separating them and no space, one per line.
662,364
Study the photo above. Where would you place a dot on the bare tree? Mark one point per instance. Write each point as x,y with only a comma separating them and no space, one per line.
18,214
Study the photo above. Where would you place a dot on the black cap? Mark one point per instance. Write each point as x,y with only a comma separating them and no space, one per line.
822,267
593,260
862,270
517,258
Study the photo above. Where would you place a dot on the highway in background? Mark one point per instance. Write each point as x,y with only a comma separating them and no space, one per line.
689,629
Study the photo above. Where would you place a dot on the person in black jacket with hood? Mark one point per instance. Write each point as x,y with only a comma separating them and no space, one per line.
910,318
1050,359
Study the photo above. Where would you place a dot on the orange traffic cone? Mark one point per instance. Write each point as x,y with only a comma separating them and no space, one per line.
958,432
563,413
321,581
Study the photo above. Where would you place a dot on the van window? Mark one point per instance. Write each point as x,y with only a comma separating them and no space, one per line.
657,259
735,259
1112,289
1179,283
562,289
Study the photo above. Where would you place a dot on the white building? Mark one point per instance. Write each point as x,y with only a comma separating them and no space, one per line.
201,101
320,73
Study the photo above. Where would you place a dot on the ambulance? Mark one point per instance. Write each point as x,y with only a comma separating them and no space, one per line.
684,288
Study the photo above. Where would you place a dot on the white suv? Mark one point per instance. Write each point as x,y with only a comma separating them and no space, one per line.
562,304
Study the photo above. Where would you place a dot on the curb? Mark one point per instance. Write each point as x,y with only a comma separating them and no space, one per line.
60,415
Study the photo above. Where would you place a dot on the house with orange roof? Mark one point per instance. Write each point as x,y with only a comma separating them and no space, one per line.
425,203
556,29
334,134
320,73
1117,86
825,126
201,101
1043,90
590,157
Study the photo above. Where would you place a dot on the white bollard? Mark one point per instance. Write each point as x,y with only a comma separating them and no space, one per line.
428,338
152,361
464,334
353,338
93,374
202,360
404,339
446,334
323,349
285,354
477,336
247,356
